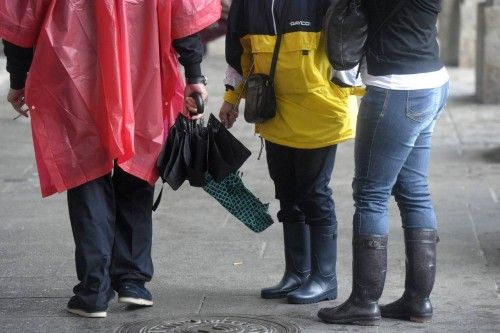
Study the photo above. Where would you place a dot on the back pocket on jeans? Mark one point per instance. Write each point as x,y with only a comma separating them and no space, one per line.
422,104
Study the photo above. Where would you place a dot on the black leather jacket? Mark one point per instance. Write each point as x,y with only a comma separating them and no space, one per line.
407,44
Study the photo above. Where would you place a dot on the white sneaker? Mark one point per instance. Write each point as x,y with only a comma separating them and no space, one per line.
83,313
135,301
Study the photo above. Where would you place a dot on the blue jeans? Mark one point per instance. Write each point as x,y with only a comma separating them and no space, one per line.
392,153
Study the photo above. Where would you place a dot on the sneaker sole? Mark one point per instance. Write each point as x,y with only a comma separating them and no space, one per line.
82,313
135,301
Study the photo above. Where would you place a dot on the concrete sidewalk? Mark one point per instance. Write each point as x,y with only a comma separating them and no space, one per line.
208,263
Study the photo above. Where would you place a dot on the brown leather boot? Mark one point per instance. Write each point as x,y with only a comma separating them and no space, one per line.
415,305
368,277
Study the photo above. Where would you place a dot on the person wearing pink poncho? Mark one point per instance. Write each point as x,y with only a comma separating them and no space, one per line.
101,83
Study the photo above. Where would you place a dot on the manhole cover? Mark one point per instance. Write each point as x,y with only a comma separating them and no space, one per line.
211,324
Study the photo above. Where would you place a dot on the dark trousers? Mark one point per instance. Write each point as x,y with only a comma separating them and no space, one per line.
111,220
301,179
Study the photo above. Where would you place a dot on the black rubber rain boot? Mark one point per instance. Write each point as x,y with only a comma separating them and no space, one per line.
415,305
368,273
297,260
322,283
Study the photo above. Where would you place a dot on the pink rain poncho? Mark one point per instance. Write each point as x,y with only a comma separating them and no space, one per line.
104,84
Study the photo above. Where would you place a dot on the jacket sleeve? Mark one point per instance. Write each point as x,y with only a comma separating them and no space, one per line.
190,50
18,63
238,48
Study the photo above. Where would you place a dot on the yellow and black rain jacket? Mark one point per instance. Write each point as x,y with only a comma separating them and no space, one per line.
312,112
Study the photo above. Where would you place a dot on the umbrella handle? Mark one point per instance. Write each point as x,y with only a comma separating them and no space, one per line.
200,104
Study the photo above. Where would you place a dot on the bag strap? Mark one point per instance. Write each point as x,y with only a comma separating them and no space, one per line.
158,200
393,13
244,85
279,35
277,46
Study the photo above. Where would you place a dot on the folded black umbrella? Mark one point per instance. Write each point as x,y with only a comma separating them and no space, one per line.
171,164
194,151
225,153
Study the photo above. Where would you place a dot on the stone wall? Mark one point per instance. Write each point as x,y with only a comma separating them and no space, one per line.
488,52
449,31
467,34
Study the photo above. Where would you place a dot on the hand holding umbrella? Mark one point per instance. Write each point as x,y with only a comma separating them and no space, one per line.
196,96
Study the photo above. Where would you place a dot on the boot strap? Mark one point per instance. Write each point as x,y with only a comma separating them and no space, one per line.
372,243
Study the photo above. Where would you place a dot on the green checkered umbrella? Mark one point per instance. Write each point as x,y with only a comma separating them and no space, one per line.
232,194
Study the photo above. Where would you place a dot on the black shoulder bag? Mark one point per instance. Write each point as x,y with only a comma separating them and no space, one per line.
346,32
260,101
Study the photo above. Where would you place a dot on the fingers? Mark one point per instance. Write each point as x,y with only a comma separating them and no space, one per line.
226,120
189,101
228,115
16,99
229,123
23,112
191,107
196,117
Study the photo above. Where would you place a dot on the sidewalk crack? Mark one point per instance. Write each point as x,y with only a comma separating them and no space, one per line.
263,249
494,196
224,224
200,307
